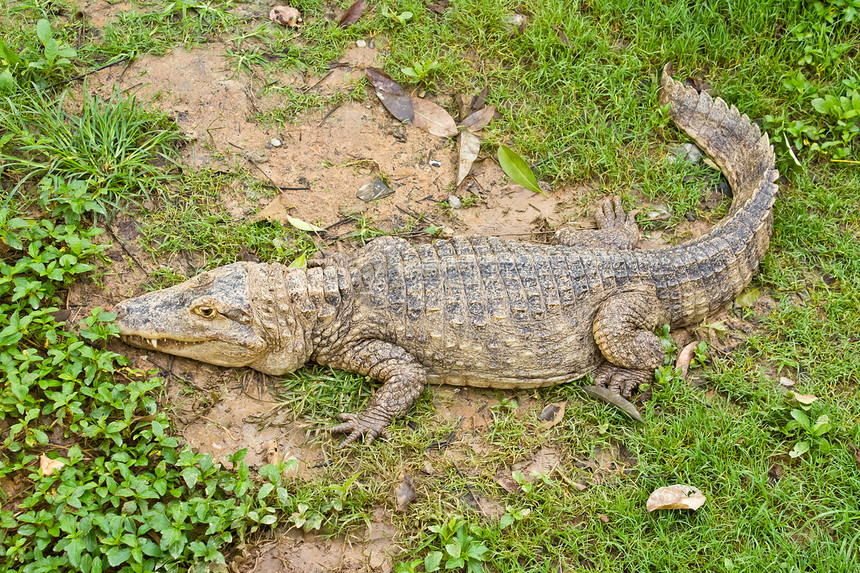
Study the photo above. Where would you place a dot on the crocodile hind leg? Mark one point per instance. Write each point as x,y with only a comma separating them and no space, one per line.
623,330
403,380
615,229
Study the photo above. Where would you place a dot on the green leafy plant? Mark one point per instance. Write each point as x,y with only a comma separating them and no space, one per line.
400,18
26,67
461,548
420,71
808,434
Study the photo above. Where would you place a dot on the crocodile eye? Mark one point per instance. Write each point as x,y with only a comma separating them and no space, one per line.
205,311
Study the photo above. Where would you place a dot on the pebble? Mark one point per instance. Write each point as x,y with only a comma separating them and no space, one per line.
361,43
454,202
687,152
275,142
434,163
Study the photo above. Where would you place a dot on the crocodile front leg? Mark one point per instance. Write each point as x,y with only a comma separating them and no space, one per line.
403,380
623,330
615,229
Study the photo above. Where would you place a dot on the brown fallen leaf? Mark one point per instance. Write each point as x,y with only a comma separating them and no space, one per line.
508,483
561,36
613,399
438,6
552,414
856,454
49,466
404,492
678,496
433,118
603,518
479,119
481,99
391,94
285,16
470,147
352,14
685,357
273,454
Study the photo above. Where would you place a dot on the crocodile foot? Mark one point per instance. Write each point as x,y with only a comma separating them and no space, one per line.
365,424
620,380
615,229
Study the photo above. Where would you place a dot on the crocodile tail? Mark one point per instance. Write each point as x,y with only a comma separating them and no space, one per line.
737,145
730,253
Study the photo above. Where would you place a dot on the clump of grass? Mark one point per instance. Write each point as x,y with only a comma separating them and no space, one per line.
118,148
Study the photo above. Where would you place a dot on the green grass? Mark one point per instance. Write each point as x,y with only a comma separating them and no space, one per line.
594,94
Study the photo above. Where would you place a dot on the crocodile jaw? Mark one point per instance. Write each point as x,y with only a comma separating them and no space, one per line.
221,353
207,318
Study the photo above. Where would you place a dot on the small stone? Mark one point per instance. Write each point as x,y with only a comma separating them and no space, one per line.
785,381
374,190
689,216
454,202
428,468
686,152
435,163
725,188
361,44
275,142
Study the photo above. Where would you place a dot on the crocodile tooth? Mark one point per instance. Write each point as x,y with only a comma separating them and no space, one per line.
154,343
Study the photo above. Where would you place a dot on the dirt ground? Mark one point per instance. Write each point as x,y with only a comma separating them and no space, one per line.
321,162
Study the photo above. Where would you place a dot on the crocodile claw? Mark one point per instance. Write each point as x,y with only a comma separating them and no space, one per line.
358,425
620,380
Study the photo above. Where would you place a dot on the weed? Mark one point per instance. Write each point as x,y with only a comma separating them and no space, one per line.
114,146
26,69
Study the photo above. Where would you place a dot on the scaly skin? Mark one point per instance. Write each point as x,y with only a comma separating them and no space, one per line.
481,311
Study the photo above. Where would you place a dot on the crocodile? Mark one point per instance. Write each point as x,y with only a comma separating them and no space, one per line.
482,311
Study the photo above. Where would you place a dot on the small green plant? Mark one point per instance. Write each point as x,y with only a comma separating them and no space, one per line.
808,433
420,71
399,18
21,69
461,546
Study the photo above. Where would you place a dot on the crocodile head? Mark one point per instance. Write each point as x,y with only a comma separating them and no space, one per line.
210,318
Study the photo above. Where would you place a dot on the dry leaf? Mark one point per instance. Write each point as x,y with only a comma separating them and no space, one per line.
376,189
479,100
433,118
805,399
785,381
603,518
614,399
470,147
508,483
49,466
404,492
352,14
438,7
479,120
273,455
561,36
285,16
856,454
390,94
552,414
676,497
684,359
